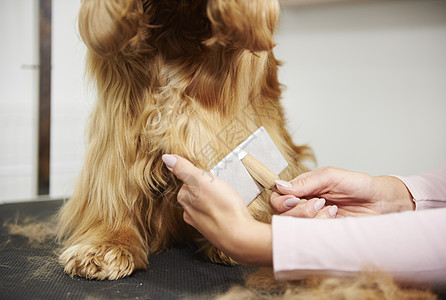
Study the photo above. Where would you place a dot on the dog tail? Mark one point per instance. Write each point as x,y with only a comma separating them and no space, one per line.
113,26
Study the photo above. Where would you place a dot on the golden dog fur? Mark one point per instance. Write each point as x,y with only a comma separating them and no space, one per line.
190,77
193,78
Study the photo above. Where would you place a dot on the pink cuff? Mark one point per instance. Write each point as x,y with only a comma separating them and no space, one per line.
427,189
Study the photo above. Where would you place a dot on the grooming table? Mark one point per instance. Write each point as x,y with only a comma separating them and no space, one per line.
31,271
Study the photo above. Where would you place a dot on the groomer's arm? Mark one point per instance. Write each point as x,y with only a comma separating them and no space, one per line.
216,210
354,193
428,189
409,245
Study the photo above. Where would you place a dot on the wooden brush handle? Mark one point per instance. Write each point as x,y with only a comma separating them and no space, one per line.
260,172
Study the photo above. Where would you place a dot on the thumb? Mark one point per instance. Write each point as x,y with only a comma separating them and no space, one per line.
183,169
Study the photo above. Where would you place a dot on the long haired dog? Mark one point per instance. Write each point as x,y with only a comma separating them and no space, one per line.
193,78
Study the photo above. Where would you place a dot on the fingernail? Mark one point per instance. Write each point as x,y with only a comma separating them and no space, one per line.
319,204
292,202
169,160
333,211
283,183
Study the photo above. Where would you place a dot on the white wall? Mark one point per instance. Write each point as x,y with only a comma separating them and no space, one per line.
366,88
366,83
18,99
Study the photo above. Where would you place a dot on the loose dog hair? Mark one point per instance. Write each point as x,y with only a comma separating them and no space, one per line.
193,78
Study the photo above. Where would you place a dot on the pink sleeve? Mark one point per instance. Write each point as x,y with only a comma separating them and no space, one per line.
410,245
427,189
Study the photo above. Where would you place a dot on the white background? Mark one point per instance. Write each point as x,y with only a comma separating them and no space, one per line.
365,87
366,83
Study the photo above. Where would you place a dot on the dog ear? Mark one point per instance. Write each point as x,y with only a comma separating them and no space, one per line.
247,24
111,26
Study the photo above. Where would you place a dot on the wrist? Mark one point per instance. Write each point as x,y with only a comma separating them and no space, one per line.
394,195
251,245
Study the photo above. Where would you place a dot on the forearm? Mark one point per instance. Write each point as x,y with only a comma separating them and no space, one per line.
428,189
392,195
409,245
250,244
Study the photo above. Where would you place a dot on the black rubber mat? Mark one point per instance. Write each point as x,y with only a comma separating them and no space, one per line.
31,271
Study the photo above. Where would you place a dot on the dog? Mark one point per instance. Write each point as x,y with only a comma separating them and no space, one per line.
194,78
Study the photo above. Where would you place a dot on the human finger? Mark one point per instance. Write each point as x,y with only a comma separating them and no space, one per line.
309,209
183,169
185,196
187,218
313,183
282,203
328,212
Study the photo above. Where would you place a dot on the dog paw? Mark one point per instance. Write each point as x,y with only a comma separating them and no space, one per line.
101,262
